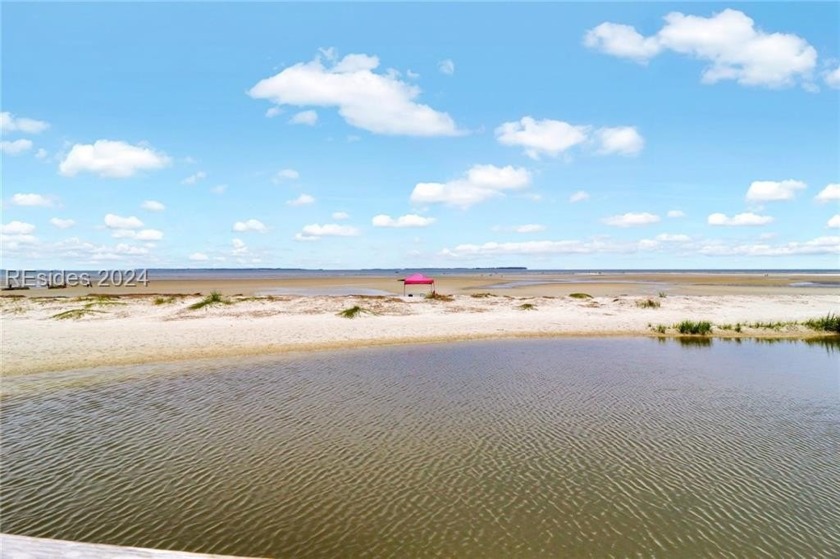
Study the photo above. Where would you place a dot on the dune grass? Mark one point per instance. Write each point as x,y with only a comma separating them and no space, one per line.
76,314
827,323
482,295
215,298
648,303
353,312
527,307
164,300
435,296
699,328
580,295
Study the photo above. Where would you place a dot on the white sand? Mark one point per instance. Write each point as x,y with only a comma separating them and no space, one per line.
135,330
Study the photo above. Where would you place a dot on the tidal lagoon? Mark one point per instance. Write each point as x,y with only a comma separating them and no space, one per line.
512,448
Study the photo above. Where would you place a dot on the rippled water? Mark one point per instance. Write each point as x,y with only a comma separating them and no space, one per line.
584,447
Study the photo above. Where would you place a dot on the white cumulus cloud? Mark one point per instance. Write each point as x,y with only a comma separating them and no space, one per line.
111,159
622,140
729,42
309,118
153,206
482,182
250,225
378,102
286,174
446,67
302,200
198,257
832,78
578,196
11,123
148,235
113,221
673,238
631,219
768,191
622,41
829,193
62,223
743,219
408,220
15,147
675,214
529,228
31,200
554,137
339,216
194,178
17,228
834,221
541,137
820,245
316,231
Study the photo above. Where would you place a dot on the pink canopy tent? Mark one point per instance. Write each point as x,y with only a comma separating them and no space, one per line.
418,279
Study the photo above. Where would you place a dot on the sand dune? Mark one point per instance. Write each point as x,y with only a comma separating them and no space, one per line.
130,330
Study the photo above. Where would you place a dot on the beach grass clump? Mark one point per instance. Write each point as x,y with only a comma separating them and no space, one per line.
660,328
774,325
435,296
99,299
482,295
164,300
731,327
215,298
353,312
662,294
698,328
827,323
527,307
580,295
75,314
648,303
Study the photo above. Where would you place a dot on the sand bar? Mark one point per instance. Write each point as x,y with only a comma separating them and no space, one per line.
145,328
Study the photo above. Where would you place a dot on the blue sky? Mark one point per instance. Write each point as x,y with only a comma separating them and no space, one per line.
655,135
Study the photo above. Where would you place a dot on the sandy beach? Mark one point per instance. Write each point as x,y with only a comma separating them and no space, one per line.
48,330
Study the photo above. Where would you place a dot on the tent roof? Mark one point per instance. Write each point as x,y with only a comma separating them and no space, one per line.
417,279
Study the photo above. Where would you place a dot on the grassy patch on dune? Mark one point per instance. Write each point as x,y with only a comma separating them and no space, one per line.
698,328
648,303
435,296
527,307
76,313
580,295
353,312
482,295
827,323
215,298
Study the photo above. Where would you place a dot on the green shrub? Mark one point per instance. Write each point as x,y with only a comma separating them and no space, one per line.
215,298
580,295
701,328
352,312
648,303
827,323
